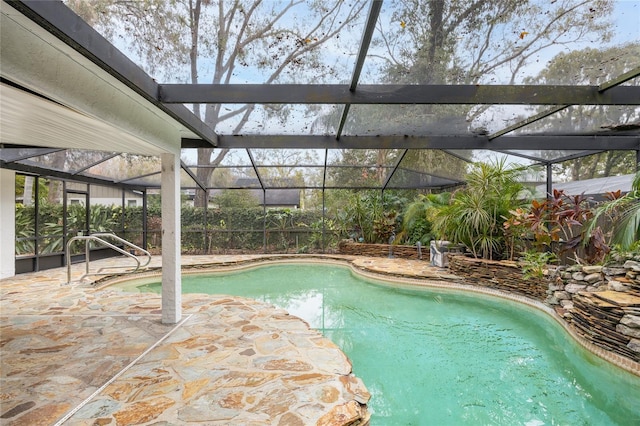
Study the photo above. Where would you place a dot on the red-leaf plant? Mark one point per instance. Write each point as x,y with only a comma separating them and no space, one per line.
559,218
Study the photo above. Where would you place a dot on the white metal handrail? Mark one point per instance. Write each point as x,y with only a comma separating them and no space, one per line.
99,238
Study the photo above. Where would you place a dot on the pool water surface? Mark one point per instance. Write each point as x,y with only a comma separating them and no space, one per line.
441,357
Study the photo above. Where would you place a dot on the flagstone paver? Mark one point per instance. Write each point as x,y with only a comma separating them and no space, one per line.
94,355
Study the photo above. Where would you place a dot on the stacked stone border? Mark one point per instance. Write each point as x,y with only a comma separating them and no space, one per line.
602,303
382,250
501,275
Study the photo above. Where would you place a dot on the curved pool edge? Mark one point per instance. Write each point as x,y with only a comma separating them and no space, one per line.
392,279
613,358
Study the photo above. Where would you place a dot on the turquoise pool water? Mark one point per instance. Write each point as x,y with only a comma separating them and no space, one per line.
435,357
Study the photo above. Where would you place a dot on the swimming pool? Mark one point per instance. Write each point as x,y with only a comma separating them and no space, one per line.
439,357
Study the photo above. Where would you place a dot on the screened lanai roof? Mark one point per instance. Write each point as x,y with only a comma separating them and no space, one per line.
358,94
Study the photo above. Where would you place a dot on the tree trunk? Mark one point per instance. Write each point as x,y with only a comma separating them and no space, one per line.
436,40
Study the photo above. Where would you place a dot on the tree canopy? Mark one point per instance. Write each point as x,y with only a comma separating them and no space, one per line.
227,42
416,42
591,66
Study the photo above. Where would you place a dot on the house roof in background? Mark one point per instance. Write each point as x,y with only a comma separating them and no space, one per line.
595,188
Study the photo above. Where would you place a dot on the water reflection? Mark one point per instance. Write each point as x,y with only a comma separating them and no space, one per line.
310,306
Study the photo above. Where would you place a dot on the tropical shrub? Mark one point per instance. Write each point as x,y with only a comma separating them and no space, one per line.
25,229
558,219
315,241
534,263
619,255
281,221
370,217
623,213
475,214
516,232
417,218
384,227
564,223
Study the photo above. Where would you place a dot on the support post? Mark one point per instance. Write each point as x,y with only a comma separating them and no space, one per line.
36,226
124,213
65,224
171,278
205,238
323,223
8,220
549,180
145,225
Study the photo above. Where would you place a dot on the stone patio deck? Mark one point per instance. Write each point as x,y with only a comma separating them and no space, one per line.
80,354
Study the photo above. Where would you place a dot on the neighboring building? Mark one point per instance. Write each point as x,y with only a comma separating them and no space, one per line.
277,196
76,194
595,188
282,196
107,196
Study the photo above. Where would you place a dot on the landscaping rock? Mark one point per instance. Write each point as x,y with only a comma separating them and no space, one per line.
614,270
617,286
559,286
574,288
596,316
633,265
567,304
632,321
594,269
634,345
577,276
628,331
561,295
502,275
382,250
592,278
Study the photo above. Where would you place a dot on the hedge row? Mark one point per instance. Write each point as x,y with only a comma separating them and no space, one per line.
202,232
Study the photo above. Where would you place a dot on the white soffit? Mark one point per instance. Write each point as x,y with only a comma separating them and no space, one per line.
109,115
27,119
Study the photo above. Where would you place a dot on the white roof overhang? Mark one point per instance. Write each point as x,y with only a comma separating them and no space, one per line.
74,103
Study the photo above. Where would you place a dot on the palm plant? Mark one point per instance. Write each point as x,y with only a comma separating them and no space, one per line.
418,217
623,212
476,213
282,221
362,211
